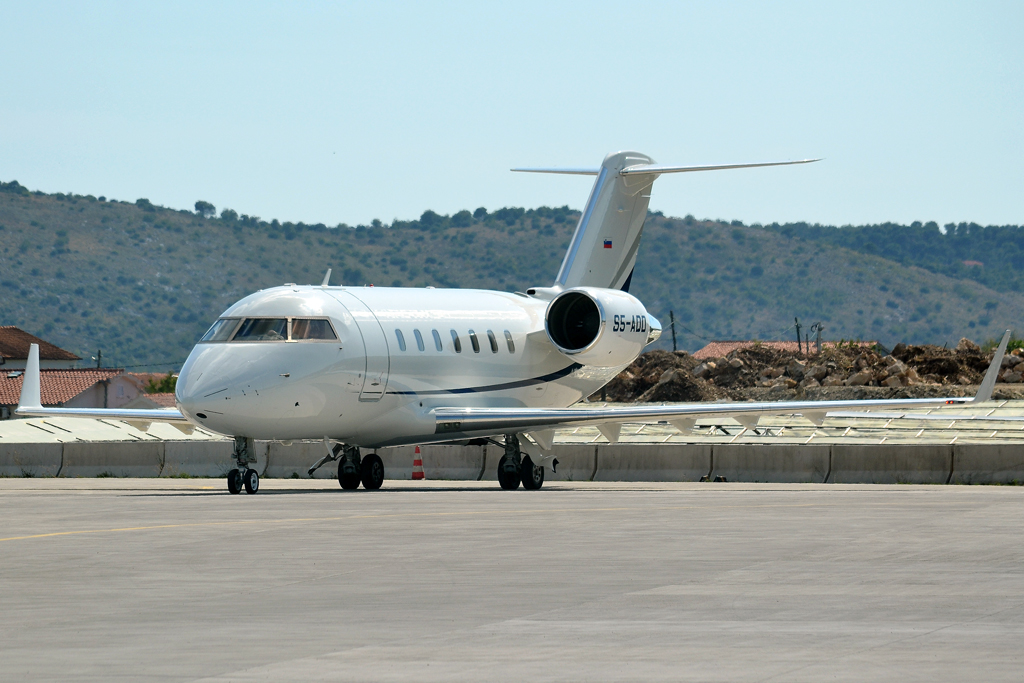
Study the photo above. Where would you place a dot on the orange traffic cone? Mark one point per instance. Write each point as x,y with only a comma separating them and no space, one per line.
417,465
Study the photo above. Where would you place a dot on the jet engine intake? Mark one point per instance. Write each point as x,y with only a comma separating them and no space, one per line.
602,327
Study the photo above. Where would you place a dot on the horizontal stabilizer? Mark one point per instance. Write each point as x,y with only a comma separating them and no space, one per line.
658,169
563,171
664,168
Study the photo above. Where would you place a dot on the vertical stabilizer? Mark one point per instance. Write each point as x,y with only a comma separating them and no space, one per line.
30,395
603,248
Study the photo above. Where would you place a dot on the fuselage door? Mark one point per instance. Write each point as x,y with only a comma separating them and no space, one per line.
378,361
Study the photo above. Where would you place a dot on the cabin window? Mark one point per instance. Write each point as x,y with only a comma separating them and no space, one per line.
494,342
401,340
456,342
306,329
419,339
221,330
437,340
262,329
508,340
474,341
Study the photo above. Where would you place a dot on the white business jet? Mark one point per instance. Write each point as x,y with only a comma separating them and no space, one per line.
369,367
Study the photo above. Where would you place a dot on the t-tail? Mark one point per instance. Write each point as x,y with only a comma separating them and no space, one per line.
604,247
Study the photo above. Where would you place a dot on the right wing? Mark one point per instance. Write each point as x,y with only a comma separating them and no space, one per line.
471,422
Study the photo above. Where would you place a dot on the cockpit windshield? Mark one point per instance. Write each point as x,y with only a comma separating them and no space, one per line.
306,328
262,329
221,330
270,329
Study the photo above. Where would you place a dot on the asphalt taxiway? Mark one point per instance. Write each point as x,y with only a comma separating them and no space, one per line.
175,580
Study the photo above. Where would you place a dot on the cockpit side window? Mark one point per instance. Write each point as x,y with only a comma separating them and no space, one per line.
221,330
312,329
262,329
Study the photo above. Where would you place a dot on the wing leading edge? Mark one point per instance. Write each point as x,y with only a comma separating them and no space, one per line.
478,421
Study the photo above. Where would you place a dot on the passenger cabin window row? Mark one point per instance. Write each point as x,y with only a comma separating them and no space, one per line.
270,329
456,341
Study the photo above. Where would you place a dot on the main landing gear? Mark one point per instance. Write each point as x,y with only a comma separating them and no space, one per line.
244,476
353,469
514,467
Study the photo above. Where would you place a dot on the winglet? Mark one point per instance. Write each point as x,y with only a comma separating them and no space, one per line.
327,278
30,381
989,383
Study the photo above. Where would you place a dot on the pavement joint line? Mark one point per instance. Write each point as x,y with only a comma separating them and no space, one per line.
241,522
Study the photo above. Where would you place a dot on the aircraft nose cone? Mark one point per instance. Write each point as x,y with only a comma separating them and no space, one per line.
195,381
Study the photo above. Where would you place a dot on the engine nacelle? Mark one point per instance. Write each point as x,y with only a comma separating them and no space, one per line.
602,327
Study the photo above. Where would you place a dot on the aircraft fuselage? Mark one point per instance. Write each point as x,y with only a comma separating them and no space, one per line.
395,354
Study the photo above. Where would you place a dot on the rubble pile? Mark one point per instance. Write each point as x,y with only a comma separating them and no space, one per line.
747,373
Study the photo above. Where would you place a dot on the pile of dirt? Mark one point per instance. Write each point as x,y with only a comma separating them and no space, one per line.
760,372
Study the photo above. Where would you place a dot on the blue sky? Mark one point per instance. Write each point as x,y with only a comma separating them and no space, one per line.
345,112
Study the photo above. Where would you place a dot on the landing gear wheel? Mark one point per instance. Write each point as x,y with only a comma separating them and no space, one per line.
508,480
235,481
252,481
373,472
349,480
532,475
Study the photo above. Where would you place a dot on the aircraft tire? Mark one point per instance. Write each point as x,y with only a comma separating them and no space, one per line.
234,482
348,480
373,472
252,481
532,475
508,480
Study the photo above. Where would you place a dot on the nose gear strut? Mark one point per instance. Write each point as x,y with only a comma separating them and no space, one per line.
244,476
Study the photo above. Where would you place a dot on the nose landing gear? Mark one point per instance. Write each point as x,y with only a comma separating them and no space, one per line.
244,476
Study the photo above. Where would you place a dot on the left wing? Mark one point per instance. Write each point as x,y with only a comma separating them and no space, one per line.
30,404
471,422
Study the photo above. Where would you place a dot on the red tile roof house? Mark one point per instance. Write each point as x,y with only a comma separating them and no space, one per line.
60,383
14,344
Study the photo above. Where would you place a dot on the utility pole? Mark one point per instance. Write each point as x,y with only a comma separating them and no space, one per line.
672,324
99,358
798,335
817,340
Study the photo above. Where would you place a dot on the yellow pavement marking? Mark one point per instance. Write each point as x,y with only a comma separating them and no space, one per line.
393,515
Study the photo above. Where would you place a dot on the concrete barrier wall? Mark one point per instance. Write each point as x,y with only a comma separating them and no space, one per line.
891,464
284,462
783,463
113,458
457,462
200,458
30,459
653,462
575,463
868,463
988,463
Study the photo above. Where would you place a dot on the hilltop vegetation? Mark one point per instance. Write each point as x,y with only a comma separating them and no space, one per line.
143,282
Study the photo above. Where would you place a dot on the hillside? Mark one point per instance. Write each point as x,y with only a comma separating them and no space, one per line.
142,282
